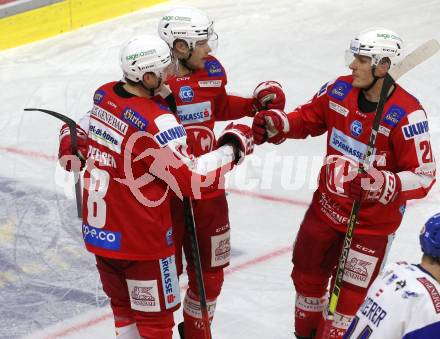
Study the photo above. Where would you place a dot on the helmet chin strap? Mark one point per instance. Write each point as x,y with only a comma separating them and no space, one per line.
184,61
375,78
152,91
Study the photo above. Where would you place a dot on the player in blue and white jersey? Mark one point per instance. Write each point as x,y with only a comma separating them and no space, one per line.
404,301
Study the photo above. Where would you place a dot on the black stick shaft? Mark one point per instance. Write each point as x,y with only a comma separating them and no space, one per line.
74,145
190,225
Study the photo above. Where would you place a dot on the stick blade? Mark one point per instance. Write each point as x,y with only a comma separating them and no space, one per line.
419,55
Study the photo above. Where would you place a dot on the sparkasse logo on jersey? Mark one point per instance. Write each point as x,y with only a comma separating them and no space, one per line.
194,113
348,146
186,94
170,283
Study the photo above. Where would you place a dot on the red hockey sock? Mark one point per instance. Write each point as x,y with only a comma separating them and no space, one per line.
129,331
308,312
335,329
192,315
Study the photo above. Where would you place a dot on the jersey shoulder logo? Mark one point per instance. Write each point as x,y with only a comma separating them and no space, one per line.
214,68
393,116
340,90
99,95
134,119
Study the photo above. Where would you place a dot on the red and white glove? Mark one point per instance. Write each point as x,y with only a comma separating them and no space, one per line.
269,95
68,160
240,136
375,186
271,126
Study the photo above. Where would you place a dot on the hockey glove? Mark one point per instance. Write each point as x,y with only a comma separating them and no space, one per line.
267,95
68,160
240,136
270,126
375,186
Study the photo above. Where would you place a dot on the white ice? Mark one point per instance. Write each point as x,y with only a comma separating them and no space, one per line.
301,44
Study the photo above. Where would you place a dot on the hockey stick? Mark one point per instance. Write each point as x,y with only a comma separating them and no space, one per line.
191,227
74,141
413,59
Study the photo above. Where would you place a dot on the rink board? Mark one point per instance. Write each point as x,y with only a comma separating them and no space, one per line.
62,17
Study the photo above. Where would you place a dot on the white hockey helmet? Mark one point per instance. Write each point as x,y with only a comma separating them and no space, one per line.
377,43
188,24
143,54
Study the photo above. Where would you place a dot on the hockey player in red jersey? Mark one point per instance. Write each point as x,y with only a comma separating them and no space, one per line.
403,169
136,152
201,98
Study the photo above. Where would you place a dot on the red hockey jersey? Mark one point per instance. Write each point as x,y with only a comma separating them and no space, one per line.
137,154
202,100
402,147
